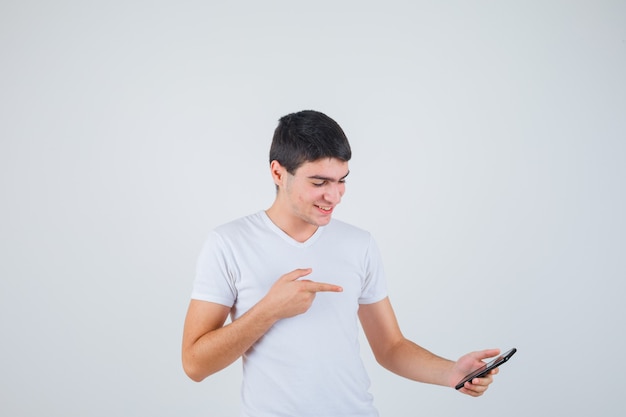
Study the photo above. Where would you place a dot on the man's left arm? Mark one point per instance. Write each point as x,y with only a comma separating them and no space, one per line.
405,358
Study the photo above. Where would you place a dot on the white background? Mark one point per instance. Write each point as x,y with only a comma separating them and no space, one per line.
488,161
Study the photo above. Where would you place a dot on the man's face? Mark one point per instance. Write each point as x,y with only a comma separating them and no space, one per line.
315,189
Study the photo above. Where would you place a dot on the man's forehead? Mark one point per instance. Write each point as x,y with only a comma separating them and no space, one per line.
330,168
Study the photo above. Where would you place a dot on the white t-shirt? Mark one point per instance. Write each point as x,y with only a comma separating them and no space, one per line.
307,365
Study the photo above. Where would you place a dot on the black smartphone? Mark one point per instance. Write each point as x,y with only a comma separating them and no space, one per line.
483,370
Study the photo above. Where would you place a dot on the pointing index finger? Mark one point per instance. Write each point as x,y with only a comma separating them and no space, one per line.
323,287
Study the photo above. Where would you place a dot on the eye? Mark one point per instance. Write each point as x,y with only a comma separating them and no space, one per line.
319,184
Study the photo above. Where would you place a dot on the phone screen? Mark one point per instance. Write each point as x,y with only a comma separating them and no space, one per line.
483,370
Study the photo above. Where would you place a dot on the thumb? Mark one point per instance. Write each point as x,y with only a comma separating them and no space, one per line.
487,353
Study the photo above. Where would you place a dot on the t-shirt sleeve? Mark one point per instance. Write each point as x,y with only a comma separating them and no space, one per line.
374,286
214,279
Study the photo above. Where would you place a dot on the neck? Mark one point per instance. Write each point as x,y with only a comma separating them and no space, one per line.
294,227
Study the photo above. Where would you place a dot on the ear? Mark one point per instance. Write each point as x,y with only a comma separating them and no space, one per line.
278,172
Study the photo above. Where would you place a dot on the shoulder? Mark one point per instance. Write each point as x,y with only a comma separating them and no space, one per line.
236,231
240,225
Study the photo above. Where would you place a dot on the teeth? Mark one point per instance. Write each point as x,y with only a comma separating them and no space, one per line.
324,208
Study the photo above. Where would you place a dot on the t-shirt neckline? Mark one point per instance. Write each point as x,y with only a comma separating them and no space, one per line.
288,238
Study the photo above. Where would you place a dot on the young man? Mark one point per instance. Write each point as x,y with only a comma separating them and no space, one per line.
296,284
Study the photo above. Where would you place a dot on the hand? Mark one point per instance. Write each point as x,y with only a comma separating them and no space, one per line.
468,363
290,296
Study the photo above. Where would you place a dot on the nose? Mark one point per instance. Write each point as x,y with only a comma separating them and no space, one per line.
334,192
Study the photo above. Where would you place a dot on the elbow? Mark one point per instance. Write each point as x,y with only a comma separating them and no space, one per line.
193,375
387,356
382,361
198,370
195,378
192,370
382,354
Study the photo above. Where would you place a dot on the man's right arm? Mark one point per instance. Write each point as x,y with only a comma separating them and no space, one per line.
209,346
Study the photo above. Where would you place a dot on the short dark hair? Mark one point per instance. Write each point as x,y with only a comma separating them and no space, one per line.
307,136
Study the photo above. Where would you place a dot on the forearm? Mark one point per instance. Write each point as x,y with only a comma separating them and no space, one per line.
215,350
399,355
411,361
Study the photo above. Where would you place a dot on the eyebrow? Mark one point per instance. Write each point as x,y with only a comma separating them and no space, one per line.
320,177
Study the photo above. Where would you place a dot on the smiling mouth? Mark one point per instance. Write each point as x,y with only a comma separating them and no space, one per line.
324,208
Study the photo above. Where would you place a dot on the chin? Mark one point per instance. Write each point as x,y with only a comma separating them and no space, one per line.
324,222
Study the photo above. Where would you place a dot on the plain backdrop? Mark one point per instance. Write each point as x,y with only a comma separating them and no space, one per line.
489,150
